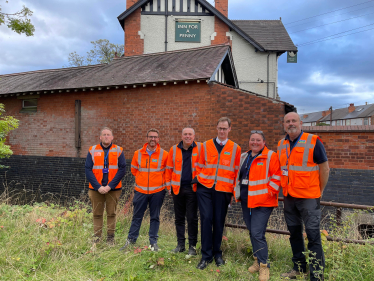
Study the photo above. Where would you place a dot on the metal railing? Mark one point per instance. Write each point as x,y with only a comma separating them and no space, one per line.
339,207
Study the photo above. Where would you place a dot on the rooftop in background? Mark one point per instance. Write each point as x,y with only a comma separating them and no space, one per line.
351,112
189,64
270,34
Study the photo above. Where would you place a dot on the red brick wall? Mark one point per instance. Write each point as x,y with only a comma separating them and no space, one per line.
347,147
129,3
134,45
221,28
131,112
222,6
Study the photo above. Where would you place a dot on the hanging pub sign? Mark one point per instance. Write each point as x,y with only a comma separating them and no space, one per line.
187,31
292,57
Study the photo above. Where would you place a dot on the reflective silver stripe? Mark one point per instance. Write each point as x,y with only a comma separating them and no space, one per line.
140,159
145,188
200,165
253,183
134,167
223,167
160,159
193,170
225,180
232,164
169,167
276,177
258,192
175,183
280,147
113,167
211,166
201,175
268,164
174,151
274,185
205,153
98,167
283,167
236,167
304,169
308,145
151,170
177,172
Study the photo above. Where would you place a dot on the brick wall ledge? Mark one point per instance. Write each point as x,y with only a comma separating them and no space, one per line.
340,129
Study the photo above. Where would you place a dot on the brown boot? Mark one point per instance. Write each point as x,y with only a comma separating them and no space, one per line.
264,272
255,267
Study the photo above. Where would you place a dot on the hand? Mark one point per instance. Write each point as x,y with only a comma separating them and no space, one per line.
170,192
107,188
102,190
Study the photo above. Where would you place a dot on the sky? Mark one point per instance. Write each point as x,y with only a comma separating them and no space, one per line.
333,72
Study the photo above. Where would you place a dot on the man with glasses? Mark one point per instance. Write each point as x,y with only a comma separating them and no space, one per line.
217,172
148,167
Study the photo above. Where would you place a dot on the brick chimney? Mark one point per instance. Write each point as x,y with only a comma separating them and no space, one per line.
305,116
351,107
134,44
129,3
222,6
325,113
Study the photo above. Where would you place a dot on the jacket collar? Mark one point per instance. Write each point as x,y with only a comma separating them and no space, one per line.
180,145
264,153
144,148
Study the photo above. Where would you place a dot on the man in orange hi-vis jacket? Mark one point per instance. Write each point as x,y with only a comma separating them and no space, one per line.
217,172
148,167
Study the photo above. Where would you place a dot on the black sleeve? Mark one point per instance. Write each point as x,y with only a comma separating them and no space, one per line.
89,174
319,155
120,173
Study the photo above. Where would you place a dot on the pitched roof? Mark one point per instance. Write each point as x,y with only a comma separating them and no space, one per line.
190,64
311,117
271,34
361,111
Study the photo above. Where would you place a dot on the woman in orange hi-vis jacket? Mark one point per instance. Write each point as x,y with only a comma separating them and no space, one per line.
257,189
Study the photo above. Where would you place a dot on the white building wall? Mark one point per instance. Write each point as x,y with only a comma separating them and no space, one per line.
153,28
251,67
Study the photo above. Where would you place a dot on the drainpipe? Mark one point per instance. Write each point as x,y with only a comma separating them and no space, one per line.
166,25
267,84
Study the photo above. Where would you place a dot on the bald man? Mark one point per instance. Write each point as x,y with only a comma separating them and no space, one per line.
304,175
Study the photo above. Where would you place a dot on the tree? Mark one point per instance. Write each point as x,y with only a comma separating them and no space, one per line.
19,21
103,52
7,124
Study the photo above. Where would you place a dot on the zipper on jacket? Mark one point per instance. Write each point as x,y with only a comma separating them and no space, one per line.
219,156
146,165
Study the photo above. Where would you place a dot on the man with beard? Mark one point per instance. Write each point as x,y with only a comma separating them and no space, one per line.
304,175
105,168
148,167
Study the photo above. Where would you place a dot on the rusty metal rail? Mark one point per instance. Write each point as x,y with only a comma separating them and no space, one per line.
338,218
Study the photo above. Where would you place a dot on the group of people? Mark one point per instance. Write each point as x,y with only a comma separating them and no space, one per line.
206,176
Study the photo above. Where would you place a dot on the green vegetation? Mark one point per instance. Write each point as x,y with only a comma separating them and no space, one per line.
54,242
7,124
18,21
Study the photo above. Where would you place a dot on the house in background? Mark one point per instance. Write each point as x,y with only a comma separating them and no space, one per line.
152,26
349,116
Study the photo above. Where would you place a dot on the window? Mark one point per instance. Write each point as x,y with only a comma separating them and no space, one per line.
29,103
338,122
366,121
32,103
348,122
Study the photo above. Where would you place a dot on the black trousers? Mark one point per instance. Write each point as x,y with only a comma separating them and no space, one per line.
185,205
297,211
213,209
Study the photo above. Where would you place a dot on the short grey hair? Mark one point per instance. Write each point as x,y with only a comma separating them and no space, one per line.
188,128
106,128
153,130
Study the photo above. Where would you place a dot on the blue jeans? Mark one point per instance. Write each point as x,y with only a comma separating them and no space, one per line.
140,203
256,220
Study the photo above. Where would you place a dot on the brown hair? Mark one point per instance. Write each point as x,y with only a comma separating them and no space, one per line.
153,130
224,119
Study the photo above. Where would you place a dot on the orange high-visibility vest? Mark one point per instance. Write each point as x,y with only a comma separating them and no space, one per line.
219,169
303,174
175,166
263,181
97,154
149,171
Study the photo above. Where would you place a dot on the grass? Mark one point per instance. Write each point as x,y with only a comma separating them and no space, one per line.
54,242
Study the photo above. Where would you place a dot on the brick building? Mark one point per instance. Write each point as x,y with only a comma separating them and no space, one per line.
61,111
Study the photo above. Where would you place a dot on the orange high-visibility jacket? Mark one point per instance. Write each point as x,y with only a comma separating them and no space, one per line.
303,174
149,171
219,169
175,165
263,181
97,154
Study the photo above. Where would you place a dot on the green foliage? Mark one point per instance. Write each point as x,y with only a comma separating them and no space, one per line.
19,21
7,124
322,124
103,52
